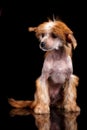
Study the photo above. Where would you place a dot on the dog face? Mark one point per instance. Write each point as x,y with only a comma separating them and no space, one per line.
53,35
49,41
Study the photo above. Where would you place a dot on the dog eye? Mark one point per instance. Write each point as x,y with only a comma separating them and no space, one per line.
42,34
53,35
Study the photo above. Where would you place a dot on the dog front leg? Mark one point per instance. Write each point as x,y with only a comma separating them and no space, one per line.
42,95
70,95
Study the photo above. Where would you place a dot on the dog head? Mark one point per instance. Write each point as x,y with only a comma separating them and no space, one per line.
53,35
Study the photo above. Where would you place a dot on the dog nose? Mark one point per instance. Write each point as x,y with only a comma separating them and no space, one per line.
42,44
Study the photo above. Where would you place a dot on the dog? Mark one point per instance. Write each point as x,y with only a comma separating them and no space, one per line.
56,87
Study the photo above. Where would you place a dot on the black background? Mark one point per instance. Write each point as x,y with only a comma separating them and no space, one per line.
20,56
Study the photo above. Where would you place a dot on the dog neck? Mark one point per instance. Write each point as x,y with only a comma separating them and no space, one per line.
57,54
61,52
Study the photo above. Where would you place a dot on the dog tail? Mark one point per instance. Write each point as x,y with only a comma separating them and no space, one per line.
21,103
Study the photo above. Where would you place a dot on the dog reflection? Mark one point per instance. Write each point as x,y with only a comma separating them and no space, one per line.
56,120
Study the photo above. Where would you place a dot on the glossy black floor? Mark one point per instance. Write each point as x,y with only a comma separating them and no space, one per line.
26,119
21,62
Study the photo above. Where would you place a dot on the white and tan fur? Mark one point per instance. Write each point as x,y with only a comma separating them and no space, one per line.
56,87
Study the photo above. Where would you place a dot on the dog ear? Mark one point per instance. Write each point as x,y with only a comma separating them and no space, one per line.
30,29
71,40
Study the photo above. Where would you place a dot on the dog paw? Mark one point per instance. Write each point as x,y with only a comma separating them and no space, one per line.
72,108
41,110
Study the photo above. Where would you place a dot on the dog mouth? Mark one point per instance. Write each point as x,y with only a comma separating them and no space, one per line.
45,48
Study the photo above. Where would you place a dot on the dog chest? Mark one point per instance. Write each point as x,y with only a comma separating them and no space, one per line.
59,66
